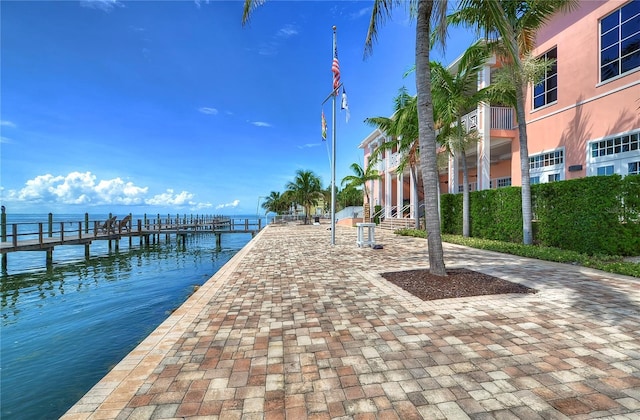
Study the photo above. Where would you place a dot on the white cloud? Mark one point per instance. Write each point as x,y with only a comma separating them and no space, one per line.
5,123
83,188
5,140
271,46
234,203
260,124
208,111
169,198
287,31
362,12
199,2
78,188
201,206
309,145
104,5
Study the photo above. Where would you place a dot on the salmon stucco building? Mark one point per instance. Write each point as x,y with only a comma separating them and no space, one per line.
583,119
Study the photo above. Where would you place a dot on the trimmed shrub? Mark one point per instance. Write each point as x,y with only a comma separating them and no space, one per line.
593,215
376,211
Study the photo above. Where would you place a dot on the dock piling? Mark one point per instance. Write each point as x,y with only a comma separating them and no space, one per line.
3,233
72,232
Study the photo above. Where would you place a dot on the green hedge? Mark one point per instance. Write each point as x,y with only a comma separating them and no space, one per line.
496,214
452,218
376,211
593,215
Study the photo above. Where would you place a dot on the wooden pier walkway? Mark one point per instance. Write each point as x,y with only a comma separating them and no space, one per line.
45,236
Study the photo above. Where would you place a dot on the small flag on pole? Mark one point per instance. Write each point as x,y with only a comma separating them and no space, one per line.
324,126
335,67
345,104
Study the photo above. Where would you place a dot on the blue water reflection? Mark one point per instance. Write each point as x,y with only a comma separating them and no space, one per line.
65,327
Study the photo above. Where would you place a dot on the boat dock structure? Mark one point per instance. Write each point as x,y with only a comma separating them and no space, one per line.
293,327
46,235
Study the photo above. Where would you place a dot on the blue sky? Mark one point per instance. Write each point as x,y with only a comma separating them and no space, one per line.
155,106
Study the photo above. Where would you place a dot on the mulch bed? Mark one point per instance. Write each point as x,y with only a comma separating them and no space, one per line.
458,283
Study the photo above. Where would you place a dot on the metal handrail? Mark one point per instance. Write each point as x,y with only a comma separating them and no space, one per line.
393,209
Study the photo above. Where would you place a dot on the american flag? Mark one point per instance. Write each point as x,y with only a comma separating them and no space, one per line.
335,68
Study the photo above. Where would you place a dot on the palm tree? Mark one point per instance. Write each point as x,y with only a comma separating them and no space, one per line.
424,11
350,196
403,129
275,203
510,26
361,177
454,94
429,13
307,190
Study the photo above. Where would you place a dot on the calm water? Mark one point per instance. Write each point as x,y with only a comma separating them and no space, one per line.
65,327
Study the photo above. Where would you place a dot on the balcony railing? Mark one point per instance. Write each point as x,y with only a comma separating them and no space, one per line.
393,160
470,121
502,118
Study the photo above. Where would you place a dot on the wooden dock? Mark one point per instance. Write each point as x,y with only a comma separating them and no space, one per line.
45,236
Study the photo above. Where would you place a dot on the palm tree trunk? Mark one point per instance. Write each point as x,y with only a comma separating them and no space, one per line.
465,195
527,236
427,139
416,213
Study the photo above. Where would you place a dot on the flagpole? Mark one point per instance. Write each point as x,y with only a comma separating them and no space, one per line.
333,157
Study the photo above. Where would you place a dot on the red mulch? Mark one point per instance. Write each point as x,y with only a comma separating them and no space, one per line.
458,283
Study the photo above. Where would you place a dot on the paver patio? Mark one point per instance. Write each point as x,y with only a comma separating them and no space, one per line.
295,328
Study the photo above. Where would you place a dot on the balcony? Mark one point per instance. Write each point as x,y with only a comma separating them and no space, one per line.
502,118
393,160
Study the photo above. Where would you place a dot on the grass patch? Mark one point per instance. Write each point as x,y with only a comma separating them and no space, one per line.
610,263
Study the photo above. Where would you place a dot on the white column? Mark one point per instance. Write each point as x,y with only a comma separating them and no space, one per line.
399,193
484,130
378,201
454,170
387,185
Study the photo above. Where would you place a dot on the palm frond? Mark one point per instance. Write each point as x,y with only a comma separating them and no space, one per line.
248,8
380,13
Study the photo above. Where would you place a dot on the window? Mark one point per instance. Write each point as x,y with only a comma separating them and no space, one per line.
504,182
619,150
634,168
546,159
473,186
500,182
620,41
547,167
605,170
620,144
546,91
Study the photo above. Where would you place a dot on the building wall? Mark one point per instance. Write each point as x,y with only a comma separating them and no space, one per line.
586,109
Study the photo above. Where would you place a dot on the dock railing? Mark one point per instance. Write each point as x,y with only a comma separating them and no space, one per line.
41,235
45,236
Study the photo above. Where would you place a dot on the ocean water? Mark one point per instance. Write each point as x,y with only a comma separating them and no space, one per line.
64,327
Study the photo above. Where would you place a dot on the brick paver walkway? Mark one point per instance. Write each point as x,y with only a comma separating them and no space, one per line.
294,328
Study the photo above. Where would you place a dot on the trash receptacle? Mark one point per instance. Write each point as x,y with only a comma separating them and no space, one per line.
316,219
